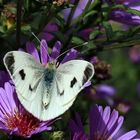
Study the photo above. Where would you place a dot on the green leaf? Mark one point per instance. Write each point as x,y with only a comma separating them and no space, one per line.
106,7
60,20
108,29
27,4
118,35
1,29
134,30
133,11
94,34
87,48
77,40
58,135
26,28
60,36
91,13
119,6
36,20
94,4
91,45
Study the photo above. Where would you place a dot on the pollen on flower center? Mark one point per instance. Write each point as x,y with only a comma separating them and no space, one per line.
24,122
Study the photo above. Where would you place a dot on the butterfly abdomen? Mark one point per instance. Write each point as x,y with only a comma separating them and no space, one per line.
48,83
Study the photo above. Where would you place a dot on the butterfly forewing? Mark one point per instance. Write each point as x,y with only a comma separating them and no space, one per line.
25,72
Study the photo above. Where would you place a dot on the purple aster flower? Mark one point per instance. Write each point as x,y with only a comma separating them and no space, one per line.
14,119
104,125
80,7
44,57
122,15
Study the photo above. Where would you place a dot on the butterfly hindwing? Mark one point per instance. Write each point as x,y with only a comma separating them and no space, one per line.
40,103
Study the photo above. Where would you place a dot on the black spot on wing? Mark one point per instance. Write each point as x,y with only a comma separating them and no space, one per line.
87,73
73,82
9,61
30,88
22,74
62,93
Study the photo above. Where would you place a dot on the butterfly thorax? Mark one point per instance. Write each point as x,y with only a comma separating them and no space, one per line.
49,74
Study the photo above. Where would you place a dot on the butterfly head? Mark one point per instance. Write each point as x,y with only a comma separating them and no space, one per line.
51,65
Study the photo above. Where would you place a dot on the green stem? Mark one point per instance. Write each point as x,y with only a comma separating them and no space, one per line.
122,45
101,48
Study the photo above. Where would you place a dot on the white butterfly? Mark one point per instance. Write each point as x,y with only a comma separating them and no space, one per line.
47,91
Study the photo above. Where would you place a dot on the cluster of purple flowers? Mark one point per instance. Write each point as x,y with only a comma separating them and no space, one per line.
14,119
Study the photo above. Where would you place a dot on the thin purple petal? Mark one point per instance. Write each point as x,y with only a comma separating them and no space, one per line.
113,119
106,117
118,126
128,136
44,52
87,84
30,47
56,50
70,56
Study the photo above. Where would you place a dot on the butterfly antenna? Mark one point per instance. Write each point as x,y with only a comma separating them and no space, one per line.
85,43
36,37
39,42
